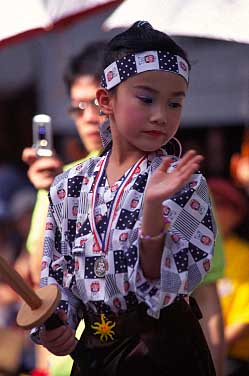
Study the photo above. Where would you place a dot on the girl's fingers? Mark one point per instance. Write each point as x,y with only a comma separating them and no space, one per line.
189,158
63,349
194,159
188,171
165,164
67,348
58,337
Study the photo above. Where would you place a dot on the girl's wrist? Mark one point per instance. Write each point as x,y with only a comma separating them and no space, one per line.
152,202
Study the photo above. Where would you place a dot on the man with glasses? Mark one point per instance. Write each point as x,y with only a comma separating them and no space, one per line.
82,77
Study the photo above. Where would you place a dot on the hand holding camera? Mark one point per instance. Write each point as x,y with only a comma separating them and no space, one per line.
43,162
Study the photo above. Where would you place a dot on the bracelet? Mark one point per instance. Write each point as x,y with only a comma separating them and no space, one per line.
148,237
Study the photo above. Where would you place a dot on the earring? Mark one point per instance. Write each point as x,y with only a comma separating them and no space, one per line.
178,145
101,113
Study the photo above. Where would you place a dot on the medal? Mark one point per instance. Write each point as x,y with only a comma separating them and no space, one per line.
103,244
100,267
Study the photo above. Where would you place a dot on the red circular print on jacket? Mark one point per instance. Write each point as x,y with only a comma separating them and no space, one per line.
75,210
126,286
49,226
76,265
134,203
95,287
123,237
85,180
83,242
166,299
206,240
43,265
206,265
117,303
195,205
175,238
61,193
167,262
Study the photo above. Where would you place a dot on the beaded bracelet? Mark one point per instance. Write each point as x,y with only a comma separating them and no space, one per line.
148,237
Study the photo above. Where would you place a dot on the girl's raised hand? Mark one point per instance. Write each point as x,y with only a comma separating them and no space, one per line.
163,184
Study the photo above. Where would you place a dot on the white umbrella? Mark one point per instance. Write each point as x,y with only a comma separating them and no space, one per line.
19,17
217,19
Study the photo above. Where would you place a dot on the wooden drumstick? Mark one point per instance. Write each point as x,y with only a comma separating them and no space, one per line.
38,306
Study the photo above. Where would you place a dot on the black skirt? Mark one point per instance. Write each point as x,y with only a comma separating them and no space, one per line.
172,345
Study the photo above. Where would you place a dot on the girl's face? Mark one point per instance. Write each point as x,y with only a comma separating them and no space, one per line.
146,110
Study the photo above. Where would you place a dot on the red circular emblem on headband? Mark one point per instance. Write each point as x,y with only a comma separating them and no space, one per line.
109,76
183,66
149,58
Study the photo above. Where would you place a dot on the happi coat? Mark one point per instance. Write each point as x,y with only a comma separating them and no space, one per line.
91,247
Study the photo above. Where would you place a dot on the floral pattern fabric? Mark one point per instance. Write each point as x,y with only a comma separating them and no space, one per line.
71,252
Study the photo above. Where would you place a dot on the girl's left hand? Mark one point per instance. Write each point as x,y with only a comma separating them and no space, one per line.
163,184
60,341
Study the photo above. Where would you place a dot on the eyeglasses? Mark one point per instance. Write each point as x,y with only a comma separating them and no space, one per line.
76,111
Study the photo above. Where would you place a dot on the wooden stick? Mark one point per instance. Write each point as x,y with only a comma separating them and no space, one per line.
38,306
14,280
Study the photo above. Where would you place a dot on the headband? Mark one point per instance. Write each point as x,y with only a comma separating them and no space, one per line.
132,64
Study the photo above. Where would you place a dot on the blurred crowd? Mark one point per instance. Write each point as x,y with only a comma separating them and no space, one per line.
21,237
17,198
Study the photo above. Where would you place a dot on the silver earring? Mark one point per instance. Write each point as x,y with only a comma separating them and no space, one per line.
178,144
101,113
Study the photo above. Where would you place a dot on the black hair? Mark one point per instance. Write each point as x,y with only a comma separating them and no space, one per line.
88,61
138,38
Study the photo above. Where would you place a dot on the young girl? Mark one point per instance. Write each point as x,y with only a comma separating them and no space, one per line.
130,234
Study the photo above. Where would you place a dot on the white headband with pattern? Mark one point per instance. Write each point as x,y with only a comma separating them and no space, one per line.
132,64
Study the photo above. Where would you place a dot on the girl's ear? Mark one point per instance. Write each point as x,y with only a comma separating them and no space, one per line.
104,101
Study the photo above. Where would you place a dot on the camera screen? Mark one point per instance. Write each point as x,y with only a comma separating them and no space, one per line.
42,132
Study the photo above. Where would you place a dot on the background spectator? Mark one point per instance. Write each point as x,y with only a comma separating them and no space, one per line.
232,211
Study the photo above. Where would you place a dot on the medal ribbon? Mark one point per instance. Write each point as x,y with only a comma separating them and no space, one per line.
115,202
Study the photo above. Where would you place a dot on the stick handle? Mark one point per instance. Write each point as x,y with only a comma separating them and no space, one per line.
53,322
18,284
